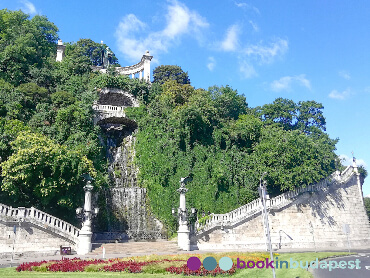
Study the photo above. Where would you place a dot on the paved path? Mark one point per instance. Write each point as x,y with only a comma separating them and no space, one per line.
355,266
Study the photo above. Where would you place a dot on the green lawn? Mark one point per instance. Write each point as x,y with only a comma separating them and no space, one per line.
255,273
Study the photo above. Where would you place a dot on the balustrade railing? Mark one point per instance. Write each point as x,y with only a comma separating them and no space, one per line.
41,218
254,207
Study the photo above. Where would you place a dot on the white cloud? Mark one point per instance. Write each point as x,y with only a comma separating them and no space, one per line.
247,70
179,21
345,75
28,7
254,26
341,96
241,5
346,160
230,43
267,54
211,63
247,7
285,83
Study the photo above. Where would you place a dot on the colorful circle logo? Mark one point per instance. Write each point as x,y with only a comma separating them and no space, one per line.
210,263
194,263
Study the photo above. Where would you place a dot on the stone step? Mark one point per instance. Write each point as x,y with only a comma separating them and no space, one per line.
132,248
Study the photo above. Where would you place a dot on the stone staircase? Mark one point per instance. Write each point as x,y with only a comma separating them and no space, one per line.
41,219
217,221
136,248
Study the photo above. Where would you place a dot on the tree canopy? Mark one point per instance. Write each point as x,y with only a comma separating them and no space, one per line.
226,146
164,73
25,44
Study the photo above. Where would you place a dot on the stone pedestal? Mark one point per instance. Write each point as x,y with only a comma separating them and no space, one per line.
183,238
84,245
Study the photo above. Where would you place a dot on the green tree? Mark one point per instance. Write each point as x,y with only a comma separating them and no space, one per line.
44,174
9,130
228,102
62,99
25,44
304,115
164,73
90,49
293,159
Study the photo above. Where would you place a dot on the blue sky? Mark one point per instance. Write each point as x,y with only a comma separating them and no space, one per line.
301,50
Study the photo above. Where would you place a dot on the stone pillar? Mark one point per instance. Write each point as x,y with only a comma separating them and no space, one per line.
183,234
359,185
147,58
141,75
60,51
84,244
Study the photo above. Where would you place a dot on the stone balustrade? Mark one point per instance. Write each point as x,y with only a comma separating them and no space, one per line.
110,110
277,202
142,68
40,218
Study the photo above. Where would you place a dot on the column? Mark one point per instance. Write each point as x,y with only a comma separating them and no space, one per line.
147,58
60,51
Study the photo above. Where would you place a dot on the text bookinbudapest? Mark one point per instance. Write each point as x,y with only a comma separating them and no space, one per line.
292,264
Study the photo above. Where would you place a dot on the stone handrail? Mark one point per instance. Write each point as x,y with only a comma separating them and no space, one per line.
41,219
137,68
112,111
277,202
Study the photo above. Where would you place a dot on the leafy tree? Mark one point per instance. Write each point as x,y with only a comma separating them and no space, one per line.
304,115
164,73
293,159
62,99
33,94
90,49
228,102
25,44
44,174
9,130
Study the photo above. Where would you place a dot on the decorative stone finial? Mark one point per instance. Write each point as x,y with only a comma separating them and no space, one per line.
60,42
354,164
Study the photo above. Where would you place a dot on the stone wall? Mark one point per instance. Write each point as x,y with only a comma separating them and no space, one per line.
35,231
30,238
297,219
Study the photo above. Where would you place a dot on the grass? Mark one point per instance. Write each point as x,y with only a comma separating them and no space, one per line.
255,273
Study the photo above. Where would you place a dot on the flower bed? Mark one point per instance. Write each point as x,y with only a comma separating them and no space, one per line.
175,264
201,271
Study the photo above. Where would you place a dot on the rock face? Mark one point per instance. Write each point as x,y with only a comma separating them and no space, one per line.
127,211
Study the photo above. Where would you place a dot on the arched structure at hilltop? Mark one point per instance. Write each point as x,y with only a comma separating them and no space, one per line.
140,70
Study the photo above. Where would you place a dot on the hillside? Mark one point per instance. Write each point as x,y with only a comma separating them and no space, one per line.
48,139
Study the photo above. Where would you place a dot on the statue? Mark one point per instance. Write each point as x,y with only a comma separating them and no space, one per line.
107,57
